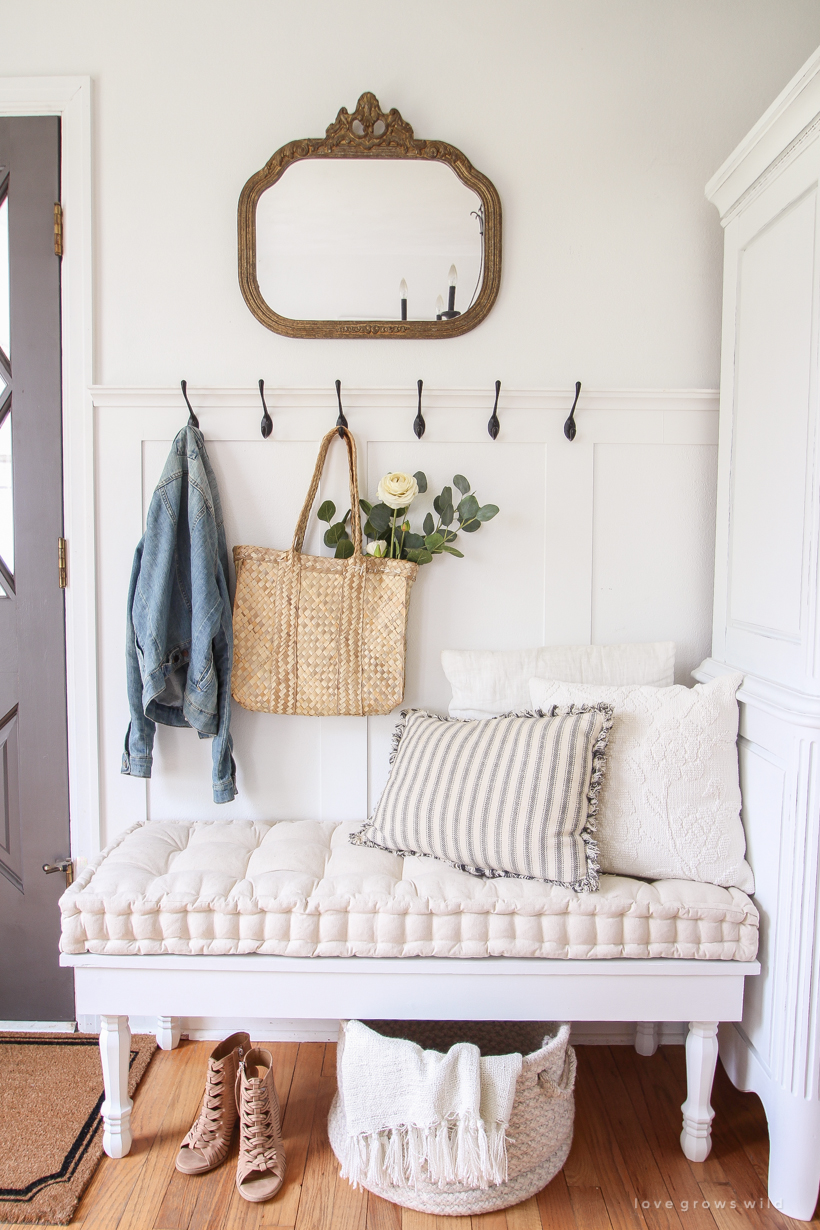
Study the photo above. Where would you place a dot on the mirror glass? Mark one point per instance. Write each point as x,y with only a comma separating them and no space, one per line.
335,240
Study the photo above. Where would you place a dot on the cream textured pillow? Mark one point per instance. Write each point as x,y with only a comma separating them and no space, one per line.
488,682
513,795
669,806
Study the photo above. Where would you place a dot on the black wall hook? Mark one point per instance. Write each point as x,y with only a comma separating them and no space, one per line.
341,421
267,421
193,421
494,427
419,425
569,426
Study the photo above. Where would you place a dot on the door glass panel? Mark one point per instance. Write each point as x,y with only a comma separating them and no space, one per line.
6,496
5,315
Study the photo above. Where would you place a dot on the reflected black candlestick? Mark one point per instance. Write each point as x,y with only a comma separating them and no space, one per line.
451,303
404,309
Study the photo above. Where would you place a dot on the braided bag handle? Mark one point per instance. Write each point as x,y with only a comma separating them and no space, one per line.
355,513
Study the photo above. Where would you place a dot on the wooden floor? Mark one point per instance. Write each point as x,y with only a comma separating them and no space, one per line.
625,1172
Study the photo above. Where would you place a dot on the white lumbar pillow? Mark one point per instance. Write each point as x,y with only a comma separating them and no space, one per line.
669,806
487,682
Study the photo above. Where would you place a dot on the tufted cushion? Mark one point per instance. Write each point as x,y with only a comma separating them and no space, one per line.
298,888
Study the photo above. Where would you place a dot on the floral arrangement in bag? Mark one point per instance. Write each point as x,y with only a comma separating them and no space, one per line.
388,529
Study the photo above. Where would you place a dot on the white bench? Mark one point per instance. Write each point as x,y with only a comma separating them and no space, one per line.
289,920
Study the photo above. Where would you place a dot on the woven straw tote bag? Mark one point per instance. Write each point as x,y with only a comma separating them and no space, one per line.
319,636
541,1124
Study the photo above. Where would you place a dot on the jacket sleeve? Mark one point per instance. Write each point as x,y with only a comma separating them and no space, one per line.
224,766
137,756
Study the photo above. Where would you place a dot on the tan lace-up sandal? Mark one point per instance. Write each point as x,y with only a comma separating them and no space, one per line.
260,1170
206,1145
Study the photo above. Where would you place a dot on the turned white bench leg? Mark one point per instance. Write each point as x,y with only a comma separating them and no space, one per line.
701,1057
646,1037
167,1032
115,1051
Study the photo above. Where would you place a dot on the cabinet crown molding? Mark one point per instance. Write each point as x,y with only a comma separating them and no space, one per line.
782,130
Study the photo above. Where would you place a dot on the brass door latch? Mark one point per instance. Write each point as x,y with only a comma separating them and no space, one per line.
65,865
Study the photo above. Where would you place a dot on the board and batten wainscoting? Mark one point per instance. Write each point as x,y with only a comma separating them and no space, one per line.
605,539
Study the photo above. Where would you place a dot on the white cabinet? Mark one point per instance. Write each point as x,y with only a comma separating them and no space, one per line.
766,611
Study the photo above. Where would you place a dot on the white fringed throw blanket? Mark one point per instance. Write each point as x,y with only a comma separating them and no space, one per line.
414,1114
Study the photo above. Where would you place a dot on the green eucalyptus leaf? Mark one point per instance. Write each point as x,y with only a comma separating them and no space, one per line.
421,479
447,515
370,530
468,508
419,556
470,527
461,482
380,516
344,548
437,504
335,534
452,551
434,542
429,524
446,496
487,512
327,511
413,541
365,506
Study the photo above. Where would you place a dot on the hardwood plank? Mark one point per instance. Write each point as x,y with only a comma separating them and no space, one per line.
490,1221
524,1216
656,1098
349,1203
411,1220
555,1206
329,1064
316,1206
215,1190
297,1124
382,1214
589,1208
179,1201
642,1177
614,1181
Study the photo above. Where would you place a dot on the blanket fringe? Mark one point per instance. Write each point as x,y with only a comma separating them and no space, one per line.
461,1150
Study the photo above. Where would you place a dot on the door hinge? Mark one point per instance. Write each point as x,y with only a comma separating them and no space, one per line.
58,229
62,563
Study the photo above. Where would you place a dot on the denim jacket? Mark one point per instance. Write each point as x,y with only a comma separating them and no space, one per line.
179,644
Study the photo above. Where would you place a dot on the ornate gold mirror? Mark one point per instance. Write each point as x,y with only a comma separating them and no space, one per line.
369,232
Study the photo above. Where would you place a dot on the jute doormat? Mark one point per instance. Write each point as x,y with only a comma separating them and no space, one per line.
51,1091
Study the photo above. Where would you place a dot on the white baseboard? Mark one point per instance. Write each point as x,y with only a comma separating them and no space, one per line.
39,1027
208,1029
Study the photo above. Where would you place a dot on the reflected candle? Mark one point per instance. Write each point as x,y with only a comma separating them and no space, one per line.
439,307
453,277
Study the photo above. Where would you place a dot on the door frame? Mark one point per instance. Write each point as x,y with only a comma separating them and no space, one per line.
70,98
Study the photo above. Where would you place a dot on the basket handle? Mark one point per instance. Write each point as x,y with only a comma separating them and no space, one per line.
355,513
563,1087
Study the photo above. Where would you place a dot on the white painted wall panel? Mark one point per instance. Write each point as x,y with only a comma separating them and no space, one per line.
652,577
773,364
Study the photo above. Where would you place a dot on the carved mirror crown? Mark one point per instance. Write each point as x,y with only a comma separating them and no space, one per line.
334,236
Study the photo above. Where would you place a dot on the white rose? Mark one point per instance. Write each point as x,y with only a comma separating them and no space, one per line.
377,548
397,490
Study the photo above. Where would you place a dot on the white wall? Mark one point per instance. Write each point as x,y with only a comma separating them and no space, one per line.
599,121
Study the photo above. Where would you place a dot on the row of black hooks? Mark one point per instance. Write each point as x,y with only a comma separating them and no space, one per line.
419,425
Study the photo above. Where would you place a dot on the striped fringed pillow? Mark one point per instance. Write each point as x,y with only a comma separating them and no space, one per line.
514,795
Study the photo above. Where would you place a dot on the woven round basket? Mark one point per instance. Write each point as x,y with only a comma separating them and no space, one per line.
540,1131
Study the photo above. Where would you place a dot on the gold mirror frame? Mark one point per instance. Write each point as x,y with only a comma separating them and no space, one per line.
354,136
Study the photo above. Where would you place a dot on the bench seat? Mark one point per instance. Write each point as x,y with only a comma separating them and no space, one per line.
299,889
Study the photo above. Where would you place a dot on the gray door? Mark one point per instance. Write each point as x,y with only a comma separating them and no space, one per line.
33,751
